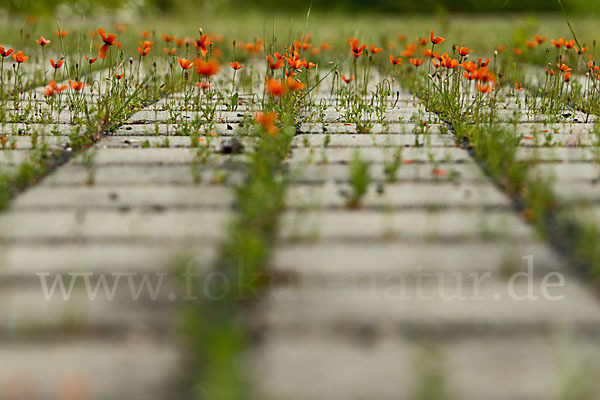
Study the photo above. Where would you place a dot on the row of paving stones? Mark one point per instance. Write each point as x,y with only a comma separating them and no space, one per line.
129,214
353,318
413,289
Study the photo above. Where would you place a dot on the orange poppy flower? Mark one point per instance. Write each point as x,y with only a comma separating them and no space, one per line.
4,52
274,64
58,64
531,44
202,43
375,50
417,62
119,77
563,67
146,34
168,38
108,40
61,34
435,39
567,76
42,41
20,57
501,48
517,52
145,47
518,87
539,39
409,51
347,80
294,84
90,60
275,88
236,65
356,48
484,88
308,65
185,64
401,38
206,68
570,44
304,46
267,121
169,52
483,63
77,85
449,63
582,50
551,72
324,46
470,66
52,89
396,61
559,43
464,51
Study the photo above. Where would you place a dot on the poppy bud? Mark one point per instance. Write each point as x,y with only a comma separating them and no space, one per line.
131,60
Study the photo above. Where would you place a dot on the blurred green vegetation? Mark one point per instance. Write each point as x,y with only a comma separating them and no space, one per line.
41,7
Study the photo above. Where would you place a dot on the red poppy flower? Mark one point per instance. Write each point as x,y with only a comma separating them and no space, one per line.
77,85
567,76
483,63
20,57
484,88
275,88
395,61
464,51
435,39
58,64
294,84
52,89
4,52
202,43
206,68
274,64
267,121
42,41
108,40
308,65
236,65
357,49
539,39
61,34
347,80
559,43
145,47
531,44
375,50
168,38
416,62
119,77
90,60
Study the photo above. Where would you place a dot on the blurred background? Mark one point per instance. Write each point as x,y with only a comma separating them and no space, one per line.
41,7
